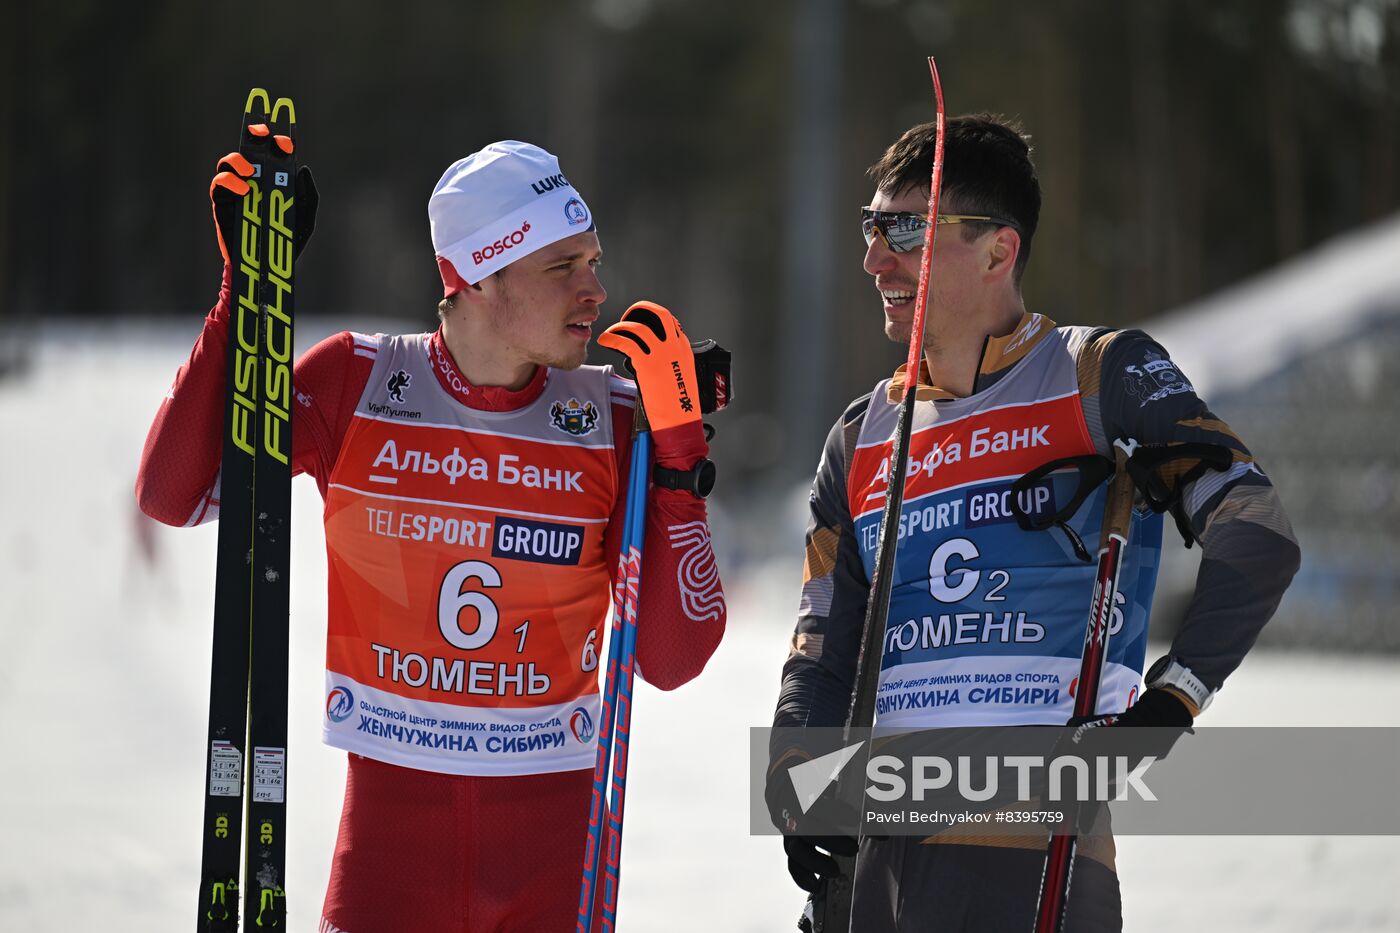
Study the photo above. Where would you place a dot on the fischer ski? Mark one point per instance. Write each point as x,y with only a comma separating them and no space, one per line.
248,673
228,683
266,848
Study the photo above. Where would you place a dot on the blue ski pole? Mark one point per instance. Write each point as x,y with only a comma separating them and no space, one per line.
617,699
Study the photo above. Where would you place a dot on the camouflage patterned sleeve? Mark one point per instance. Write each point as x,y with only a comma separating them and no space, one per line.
1248,551
821,666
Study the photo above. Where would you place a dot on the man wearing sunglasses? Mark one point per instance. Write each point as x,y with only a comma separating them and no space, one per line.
979,600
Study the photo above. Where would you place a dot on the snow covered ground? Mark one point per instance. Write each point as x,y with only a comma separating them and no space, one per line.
103,704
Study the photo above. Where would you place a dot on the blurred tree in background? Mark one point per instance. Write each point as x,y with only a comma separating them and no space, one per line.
722,145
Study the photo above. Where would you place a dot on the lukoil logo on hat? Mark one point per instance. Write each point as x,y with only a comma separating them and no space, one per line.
497,205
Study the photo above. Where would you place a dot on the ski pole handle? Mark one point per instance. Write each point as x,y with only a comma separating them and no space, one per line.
1118,510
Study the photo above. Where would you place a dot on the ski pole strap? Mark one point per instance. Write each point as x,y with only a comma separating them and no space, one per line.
715,385
1091,469
1144,466
712,373
713,376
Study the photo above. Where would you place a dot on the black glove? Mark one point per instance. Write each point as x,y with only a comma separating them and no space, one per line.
809,856
1156,721
226,193
1156,708
307,200
809,865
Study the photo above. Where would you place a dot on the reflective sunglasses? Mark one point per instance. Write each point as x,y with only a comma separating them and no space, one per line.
903,231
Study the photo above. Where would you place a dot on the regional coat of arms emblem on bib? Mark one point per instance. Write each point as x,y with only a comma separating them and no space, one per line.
573,417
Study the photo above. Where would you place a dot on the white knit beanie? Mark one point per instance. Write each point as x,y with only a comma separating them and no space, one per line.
497,205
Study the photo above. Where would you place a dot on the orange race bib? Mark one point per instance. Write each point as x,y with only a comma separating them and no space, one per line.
468,583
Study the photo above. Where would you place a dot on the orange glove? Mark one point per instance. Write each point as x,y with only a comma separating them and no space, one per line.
226,193
228,188
659,353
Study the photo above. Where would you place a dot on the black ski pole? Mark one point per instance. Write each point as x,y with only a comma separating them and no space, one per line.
832,906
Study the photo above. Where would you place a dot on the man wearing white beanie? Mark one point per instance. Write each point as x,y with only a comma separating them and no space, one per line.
475,482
